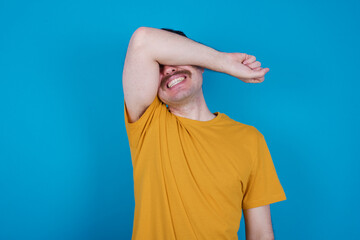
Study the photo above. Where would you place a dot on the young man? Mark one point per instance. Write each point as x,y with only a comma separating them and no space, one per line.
194,170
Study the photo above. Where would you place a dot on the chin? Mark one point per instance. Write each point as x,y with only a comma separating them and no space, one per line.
174,100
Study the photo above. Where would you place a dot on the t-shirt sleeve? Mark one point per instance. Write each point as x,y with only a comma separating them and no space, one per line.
263,186
138,128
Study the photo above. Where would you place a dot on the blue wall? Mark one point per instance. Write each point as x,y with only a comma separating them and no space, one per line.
65,167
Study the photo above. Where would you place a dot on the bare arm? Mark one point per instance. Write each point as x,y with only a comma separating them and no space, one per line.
150,47
258,224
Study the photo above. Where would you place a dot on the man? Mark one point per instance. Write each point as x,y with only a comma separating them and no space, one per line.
194,170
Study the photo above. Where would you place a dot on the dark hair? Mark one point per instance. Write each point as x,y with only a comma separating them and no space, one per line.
174,31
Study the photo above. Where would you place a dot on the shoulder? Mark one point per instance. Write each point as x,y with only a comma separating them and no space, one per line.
149,112
246,130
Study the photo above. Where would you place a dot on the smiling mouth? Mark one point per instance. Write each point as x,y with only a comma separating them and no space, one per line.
175,81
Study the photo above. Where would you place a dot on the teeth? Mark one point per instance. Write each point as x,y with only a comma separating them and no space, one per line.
175,81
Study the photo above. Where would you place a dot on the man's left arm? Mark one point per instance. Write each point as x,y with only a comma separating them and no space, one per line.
258,224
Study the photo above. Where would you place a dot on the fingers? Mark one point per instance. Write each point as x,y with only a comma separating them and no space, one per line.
254,64
249,59
259,73
256,73
261,79
263,71
251,63
256,80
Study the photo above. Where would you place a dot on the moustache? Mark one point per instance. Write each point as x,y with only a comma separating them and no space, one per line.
166,78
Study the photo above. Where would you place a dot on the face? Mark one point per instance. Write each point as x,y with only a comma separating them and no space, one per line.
187,84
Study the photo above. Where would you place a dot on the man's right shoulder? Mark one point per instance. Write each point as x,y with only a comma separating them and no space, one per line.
144,114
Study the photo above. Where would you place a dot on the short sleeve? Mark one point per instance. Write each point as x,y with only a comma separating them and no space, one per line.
263,186
136,129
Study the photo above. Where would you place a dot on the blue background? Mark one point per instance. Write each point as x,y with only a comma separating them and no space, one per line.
65,166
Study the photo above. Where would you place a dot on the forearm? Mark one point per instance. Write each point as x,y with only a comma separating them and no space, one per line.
259,234
260,237
172,49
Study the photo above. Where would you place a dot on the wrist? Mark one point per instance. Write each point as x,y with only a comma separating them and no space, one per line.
224,62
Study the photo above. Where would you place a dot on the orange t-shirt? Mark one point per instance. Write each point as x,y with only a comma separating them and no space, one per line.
193,178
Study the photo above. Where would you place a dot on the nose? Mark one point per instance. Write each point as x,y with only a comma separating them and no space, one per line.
168,69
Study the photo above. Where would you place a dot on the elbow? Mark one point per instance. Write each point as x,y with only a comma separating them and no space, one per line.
140,31
138,38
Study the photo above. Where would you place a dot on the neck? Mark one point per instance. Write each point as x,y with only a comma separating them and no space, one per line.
195,109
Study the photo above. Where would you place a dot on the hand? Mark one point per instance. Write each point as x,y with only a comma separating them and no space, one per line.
245,67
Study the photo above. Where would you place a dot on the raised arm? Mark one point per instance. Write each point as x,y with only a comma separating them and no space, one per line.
149,47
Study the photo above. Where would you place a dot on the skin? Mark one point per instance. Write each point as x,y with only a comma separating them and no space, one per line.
153,56
185,99
258,224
